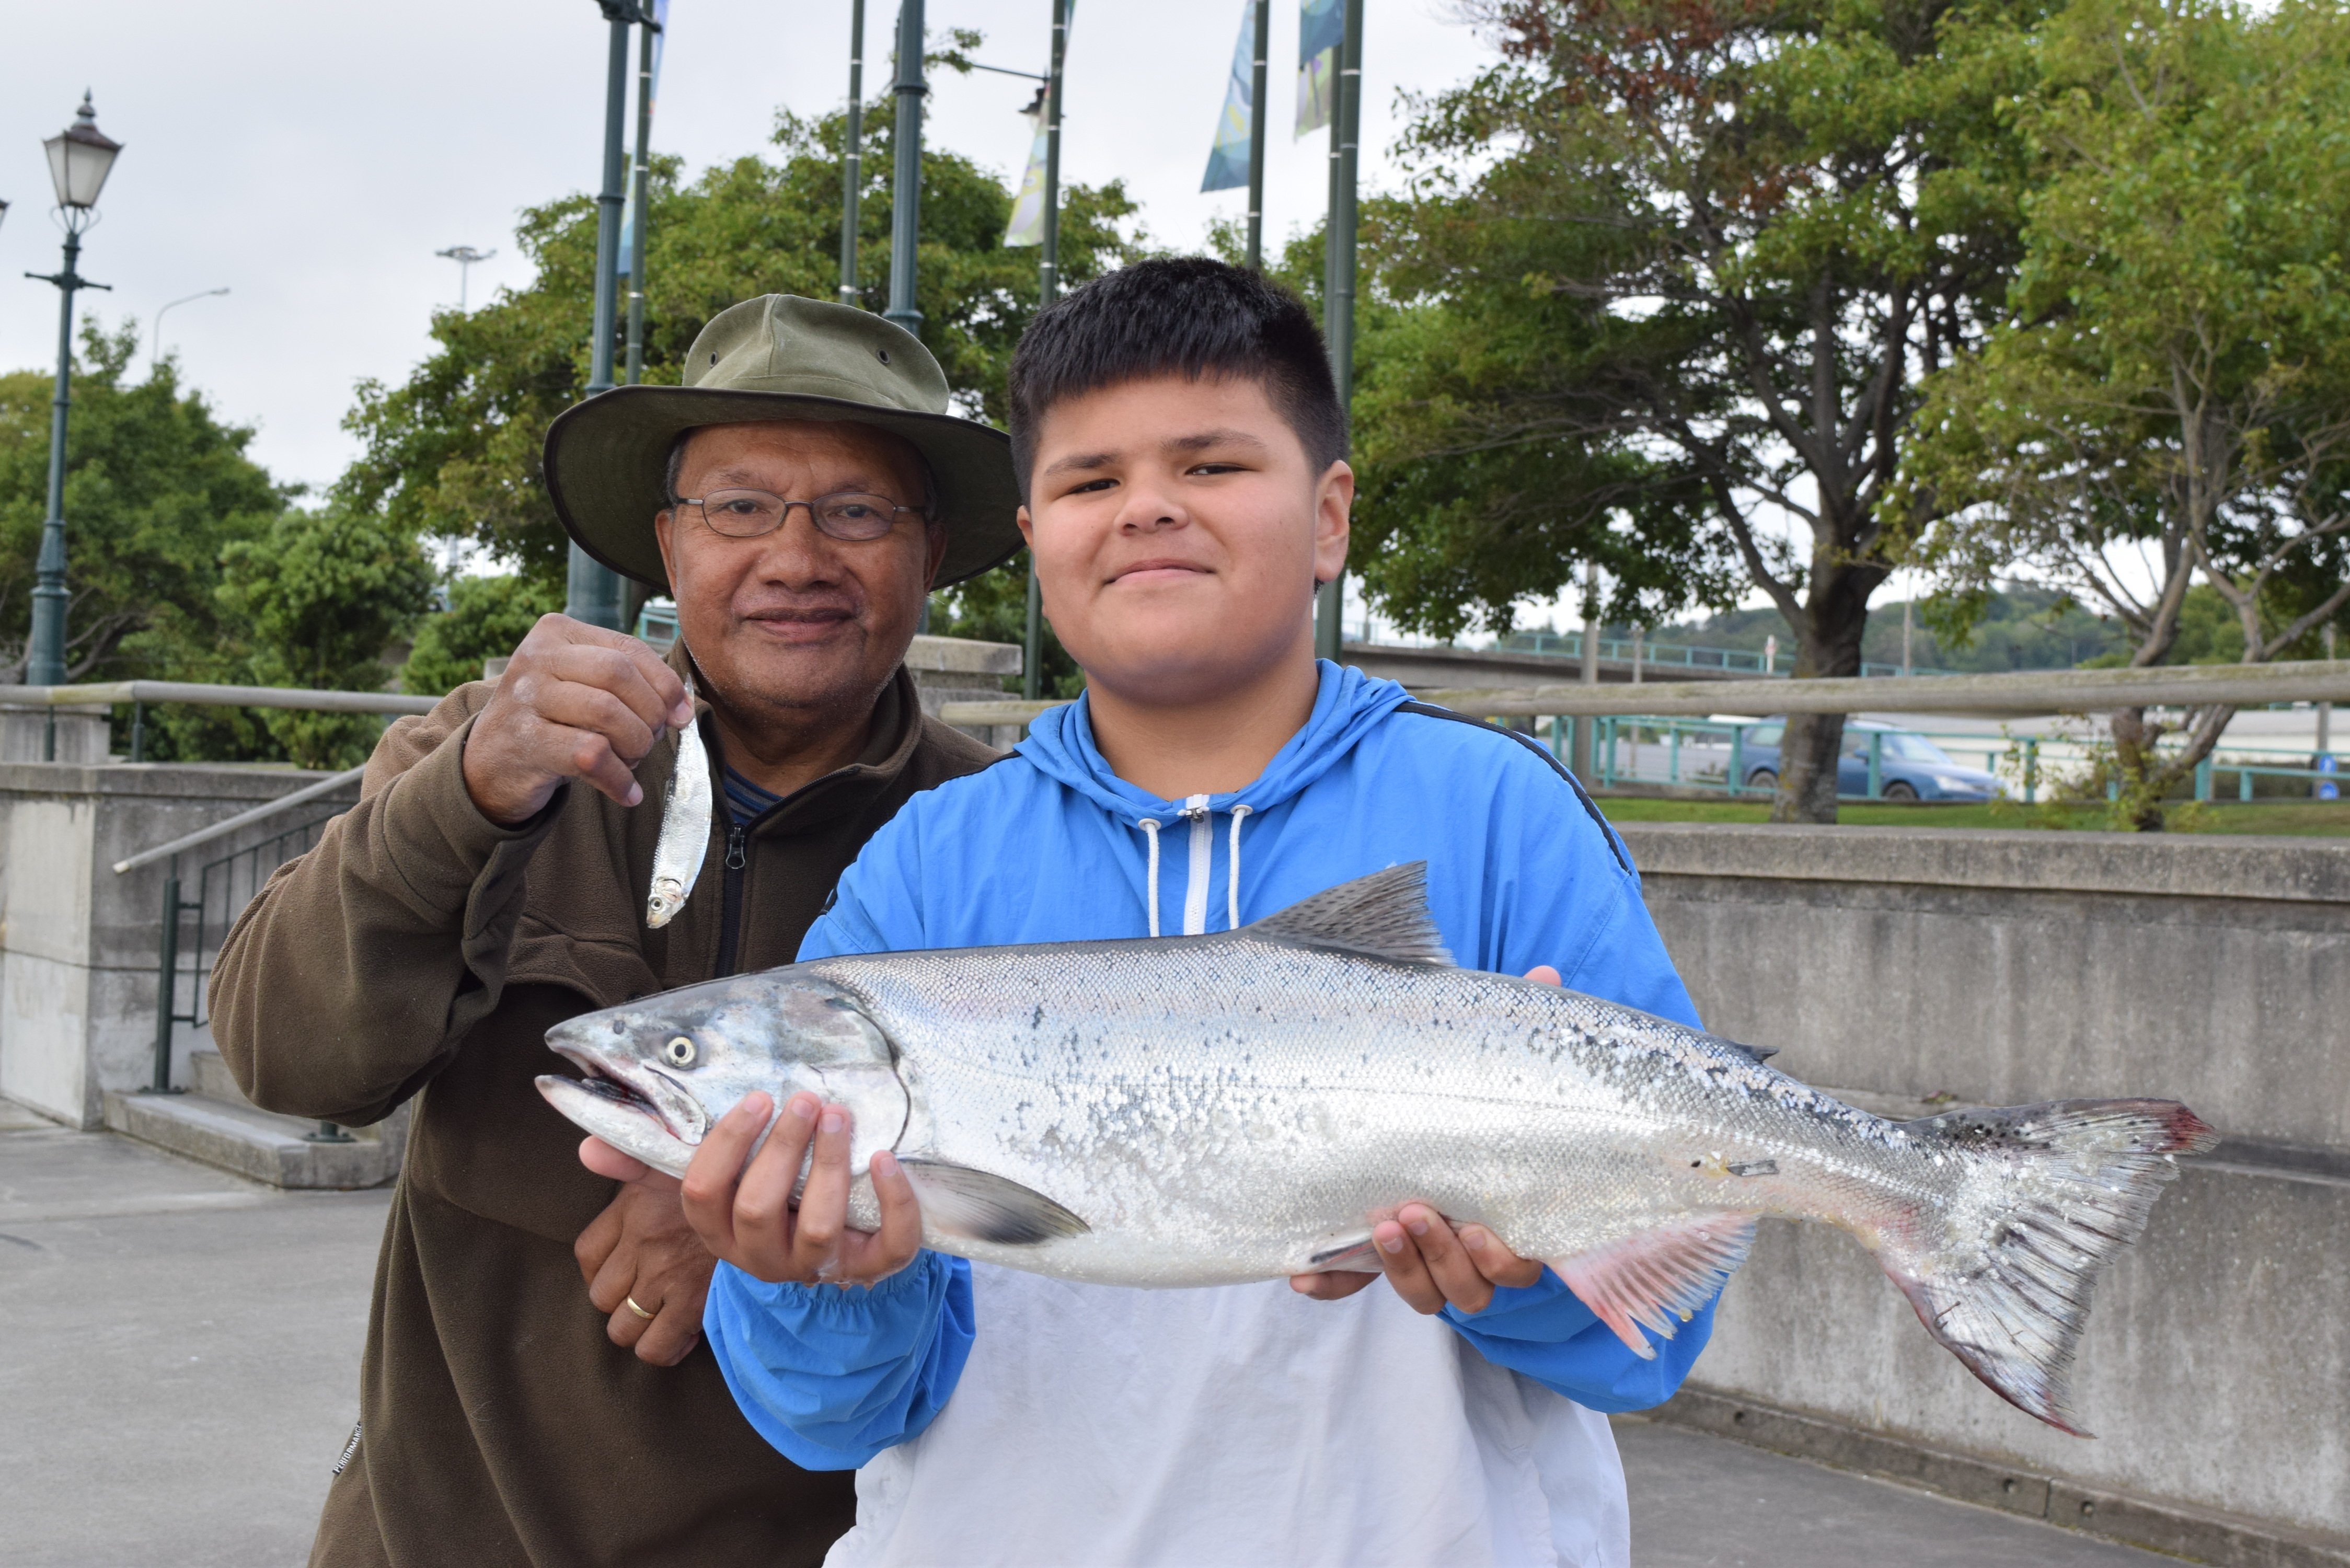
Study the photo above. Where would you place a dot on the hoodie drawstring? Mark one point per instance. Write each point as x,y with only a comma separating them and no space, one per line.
1195,891
1150,825
1233,872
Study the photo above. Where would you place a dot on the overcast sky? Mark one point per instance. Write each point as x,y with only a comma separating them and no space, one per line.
311,157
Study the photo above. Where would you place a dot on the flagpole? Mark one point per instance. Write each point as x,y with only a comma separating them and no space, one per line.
1338,282
1257,106
1048,289
905,183
593,592
852,154
643,180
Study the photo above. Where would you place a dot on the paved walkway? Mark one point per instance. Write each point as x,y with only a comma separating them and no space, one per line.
181,1368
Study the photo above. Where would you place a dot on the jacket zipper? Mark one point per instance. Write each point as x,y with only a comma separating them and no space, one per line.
730,919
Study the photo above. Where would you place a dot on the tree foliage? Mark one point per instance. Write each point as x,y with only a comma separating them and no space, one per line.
2168,395
317,596
486,617
157,486
453,452
1669,269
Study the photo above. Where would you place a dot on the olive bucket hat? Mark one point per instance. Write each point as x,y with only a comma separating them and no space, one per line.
779,356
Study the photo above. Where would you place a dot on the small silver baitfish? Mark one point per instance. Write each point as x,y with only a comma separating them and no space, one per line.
684,841
1244,1106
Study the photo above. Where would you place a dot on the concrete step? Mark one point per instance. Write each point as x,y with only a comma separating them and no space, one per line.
209,1076
282,1151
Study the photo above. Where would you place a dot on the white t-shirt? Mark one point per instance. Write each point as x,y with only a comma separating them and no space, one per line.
1096,1425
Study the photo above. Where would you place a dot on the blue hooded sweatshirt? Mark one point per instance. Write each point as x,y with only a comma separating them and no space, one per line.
1050,846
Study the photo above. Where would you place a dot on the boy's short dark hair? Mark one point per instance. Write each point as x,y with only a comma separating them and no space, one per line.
1187,315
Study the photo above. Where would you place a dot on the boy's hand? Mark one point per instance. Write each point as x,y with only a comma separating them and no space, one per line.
1430,1263
745,1215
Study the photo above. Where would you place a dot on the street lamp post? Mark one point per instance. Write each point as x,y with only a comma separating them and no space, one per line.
80,158
593,591
465,256
1338,287
157,353
905,183
1048,289
852,153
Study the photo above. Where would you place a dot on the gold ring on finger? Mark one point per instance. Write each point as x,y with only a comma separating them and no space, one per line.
630,1303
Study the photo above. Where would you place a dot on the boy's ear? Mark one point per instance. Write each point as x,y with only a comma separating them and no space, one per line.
1028,528
1334,500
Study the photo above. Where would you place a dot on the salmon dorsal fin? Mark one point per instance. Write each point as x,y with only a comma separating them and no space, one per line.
1659,1279
1382,916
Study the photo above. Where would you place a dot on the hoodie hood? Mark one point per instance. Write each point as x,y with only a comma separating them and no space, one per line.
1348,705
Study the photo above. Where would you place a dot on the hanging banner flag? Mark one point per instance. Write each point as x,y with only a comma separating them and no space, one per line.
1321,29
1228,159
1027,226
652,97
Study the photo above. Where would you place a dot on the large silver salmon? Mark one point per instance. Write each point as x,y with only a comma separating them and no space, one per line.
1204,1110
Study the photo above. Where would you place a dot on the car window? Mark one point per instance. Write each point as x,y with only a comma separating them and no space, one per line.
1765,734
1909,748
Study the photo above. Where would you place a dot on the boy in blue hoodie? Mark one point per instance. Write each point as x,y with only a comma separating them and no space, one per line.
1182,448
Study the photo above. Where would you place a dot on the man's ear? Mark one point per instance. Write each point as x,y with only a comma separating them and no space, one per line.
1334,500
938,552
663,521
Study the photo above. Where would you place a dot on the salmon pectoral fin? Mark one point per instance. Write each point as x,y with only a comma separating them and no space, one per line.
957,1200
1659,1279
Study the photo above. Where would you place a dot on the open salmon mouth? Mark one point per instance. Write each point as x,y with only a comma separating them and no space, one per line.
618,1093
637,1087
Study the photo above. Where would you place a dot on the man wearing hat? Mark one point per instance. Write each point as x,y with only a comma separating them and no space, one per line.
798,496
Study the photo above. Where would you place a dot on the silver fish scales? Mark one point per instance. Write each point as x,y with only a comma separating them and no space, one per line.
1204,1110
684,842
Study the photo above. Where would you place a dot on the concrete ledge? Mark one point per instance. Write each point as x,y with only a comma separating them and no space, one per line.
2300,870
962,656
255,1144
2194,1534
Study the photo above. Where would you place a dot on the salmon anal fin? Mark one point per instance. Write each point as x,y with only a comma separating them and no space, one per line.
1351,1252
1659,1279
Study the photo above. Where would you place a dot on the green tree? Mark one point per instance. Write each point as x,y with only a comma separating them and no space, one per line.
453,452
2169,397
317,597
1669,270
486,617
157,485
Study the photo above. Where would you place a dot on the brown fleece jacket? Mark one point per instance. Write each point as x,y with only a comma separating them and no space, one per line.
422,951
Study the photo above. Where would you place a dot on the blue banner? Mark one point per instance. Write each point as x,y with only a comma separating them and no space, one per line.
1228,159
1321,30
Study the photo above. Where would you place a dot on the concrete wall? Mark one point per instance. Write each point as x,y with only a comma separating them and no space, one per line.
79,945
960,669
1895,964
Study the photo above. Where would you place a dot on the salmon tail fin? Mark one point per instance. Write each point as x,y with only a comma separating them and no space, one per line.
2052,1194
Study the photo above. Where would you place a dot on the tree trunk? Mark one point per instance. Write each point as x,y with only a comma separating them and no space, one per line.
1828,646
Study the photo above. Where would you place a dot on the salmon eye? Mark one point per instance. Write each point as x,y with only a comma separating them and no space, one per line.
678,1053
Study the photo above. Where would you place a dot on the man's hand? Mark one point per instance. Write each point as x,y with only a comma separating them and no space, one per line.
577,701
641,1250
744,1214
1430,1264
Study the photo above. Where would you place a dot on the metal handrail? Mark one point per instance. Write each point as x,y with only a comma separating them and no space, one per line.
2019,692
109,693
242,819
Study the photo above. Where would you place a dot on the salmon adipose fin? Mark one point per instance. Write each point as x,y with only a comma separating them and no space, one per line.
2052,1193
1659,1279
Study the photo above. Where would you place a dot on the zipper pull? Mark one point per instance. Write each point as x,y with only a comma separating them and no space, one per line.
735,836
